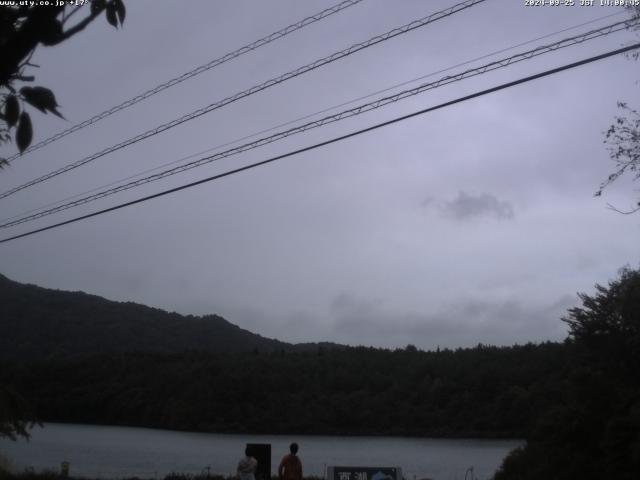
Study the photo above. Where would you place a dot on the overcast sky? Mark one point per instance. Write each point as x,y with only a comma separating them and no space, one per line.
474,223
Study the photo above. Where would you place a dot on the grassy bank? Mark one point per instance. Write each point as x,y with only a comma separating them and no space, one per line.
51,475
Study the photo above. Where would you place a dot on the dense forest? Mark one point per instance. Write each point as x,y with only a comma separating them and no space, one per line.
485,391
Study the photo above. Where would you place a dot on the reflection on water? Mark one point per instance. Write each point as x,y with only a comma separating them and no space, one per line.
114,452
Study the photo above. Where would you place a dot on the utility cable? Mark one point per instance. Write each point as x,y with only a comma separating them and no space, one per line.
307,116
333,140
192,73
258,88
381,102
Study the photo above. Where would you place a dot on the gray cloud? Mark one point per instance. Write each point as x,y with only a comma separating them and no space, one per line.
461,324
355,320
270,248
466,206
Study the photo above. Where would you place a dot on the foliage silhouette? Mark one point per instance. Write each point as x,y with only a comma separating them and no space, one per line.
13,412
22,29
593,431
623,140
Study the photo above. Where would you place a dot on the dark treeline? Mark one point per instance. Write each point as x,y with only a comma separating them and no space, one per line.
479,392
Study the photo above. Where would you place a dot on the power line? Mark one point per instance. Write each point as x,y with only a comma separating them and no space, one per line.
310,115
333,118
192,73
381,102
258,88
334,140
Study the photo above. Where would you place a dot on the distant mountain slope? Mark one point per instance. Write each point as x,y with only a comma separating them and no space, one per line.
38,322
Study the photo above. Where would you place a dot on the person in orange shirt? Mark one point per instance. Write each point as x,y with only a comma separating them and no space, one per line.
290,467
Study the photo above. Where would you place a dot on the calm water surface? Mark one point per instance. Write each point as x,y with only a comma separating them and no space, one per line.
114,452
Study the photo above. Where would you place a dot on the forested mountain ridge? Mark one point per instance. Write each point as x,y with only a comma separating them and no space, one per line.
37,322
81,358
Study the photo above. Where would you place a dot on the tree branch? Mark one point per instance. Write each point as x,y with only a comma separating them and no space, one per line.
67,17
78,27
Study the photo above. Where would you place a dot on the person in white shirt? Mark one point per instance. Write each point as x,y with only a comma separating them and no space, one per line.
247,466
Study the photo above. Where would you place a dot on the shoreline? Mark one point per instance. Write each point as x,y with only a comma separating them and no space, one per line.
478,436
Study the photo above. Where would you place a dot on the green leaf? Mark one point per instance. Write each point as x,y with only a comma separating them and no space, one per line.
111,14
11,110
120,10
41,98
24,135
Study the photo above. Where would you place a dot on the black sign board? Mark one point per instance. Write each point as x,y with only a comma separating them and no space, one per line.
364,473
262,453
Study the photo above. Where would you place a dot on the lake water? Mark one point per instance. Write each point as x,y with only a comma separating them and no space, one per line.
115,452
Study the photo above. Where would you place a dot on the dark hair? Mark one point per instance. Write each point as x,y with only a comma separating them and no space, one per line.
293,448
247,451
